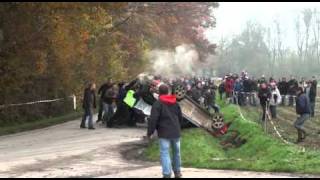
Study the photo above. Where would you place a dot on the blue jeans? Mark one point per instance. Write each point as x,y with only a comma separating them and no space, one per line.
108,113
300,121
165,155
87,113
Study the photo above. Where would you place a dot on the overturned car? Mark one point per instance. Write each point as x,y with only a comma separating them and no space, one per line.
146,87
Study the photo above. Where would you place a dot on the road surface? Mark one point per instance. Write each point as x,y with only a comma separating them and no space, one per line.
65,150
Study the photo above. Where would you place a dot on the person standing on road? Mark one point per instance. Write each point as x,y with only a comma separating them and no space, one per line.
109,103
89,103
303,110
166,118
102,90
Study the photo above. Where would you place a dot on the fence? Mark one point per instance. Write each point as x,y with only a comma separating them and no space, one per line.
29,111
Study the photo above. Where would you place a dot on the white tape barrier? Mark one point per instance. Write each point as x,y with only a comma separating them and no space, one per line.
42,101
278,133
255,93
302,149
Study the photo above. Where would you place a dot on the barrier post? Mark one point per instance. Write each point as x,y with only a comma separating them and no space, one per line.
74,102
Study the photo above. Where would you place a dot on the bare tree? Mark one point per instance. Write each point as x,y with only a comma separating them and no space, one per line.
316,35
299,38
279,40
307,17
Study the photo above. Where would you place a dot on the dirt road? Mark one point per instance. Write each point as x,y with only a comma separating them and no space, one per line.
66,150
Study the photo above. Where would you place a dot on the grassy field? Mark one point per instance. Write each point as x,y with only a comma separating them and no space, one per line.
262,152
20,127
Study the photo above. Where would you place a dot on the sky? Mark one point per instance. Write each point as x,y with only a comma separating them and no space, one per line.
232,17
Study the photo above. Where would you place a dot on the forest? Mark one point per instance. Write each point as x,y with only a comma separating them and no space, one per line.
53,50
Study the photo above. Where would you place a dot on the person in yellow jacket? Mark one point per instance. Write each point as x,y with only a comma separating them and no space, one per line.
130,100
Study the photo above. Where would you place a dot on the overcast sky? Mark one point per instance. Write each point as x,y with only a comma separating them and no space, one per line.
232,17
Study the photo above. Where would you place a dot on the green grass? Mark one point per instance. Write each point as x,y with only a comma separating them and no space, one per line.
20,127
261,152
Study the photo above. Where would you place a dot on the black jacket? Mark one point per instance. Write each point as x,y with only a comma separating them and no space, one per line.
89,99
313,93
196,94
166,117
110,96
102,90
292,86
264,95
210,97
253,85
302,104
246,85
283,87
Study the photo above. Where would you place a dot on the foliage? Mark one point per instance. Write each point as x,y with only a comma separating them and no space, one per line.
53,50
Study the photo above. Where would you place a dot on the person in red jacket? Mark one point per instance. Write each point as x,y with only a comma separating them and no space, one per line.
229,87
166,118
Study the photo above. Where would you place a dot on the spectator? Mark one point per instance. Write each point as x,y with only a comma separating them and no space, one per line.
311,93
221,89
101,92
229,87
283,88
246,90
292,87
275,100
303,83
196,93
210,100
253,90
89,103
262,80
109,103
166,117
303,110
264,96
237,90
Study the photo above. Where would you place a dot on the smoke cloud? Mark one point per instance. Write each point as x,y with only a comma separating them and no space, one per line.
183,61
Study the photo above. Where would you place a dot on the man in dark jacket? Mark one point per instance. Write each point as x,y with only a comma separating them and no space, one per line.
89,103
311,93
210,100
246,90
196,92
221,89
165,118
102,90
253,90
109,103
303,110
292,87
264,96
283,88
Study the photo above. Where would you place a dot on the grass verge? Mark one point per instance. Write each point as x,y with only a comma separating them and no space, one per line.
20,127
262,152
